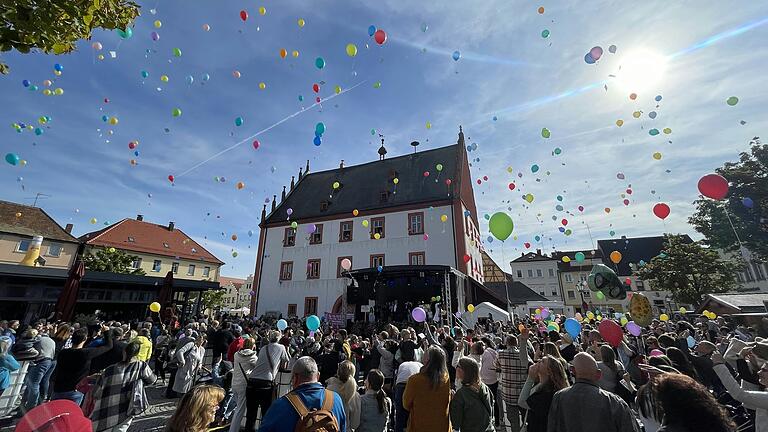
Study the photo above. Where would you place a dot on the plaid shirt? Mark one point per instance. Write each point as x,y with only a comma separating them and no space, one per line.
114,393
513,366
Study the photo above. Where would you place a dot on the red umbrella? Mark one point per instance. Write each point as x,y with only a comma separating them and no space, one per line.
166,294
65,305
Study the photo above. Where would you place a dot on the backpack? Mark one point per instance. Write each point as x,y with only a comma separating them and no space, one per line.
321,420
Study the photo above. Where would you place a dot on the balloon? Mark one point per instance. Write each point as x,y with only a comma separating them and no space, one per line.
747,202
667,130
596,53
573,327
444,218
262,10
456,55
97,46
243,15
206,27
319,62
301,23
154,307
377,236
501,225
125,34
351,50
634,329
336,185
545,33
12,158
471,308
467,258
365,223
171,178
418,314
588,59
615,257
294,224
661,210
176,112
371,30
619,123
239,121
439,167
713,186
664,317
380,36
256,144
164,78
319,128
511,186
93,221
657,155
545,133
283,52
346,264
317,141
690,341
236,74
732,101
313,322
553,326
240,185
566,259
282,324
355,212
545,313
640,309
611,332
529,198
534,168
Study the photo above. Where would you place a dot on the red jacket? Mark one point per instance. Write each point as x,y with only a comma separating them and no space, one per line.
234,347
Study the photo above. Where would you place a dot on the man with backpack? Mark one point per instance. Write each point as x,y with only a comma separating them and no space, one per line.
309,407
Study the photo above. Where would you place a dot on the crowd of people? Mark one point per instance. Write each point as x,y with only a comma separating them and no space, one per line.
686,373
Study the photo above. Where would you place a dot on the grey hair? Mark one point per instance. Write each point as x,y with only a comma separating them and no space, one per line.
5,345
305,367
274,336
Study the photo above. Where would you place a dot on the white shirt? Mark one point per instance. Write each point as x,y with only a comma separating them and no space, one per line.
488,374
262,370
405,370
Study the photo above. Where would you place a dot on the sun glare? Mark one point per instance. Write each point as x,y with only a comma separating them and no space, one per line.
641,70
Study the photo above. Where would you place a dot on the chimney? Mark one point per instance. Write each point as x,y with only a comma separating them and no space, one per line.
139,218
283,196
171,226
68,228
341,165
274,204
293,182
538,251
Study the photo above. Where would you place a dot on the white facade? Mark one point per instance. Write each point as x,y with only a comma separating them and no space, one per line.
539,274
302,296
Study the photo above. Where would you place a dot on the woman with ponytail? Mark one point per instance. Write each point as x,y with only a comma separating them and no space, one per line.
375,406
472,405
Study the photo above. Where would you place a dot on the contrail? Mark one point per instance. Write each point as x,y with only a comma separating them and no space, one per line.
268,128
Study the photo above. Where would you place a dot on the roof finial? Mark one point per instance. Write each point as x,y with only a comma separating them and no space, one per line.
274,204
293,182
461,136
283,197
264,212
382,150
306,171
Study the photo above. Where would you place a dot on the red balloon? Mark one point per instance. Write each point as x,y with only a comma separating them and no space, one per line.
448,182
426,173
564,222
170,178
512,186
131,145
527,245
626,202
380,36
256,144
479,181
713,186
661,210
317,99
611,332
243,15
485,178
467,258
316,88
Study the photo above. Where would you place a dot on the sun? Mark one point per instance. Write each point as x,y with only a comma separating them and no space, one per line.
641,70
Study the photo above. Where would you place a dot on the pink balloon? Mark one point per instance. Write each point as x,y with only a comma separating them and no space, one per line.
596,53
256,144
346,264
419,314
656,353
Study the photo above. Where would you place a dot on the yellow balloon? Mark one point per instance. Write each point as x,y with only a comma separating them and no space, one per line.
113,120
365,223
355,212
351,50
683,310
529,198
657,155
301,23
619,123
429,125
158,23
538,311
93,221
444,218
262,10
154,306
164,78
295,54
471,308
377,236
636,114
664,317
396,180
58,91
624,321
262,85
336,185
337,89
590,315
566,259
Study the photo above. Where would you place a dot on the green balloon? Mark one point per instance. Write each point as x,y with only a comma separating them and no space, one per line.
545,133
501,225
177,52
733,100
176,112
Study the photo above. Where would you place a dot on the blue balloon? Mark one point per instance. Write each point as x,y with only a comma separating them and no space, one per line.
747,202
301,98
12,158
371,30
490,239
190,79
691,341
38,131
658,98
573,327
26,83
456,55
144,74
561,229
380,269
588,59
136,153
313,322
104,118
58,67
317,140
206,77
652,114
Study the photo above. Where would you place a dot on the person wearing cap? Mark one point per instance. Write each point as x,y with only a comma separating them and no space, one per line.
119,392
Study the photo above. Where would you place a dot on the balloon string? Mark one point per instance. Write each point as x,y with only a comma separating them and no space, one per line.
504,274
725,209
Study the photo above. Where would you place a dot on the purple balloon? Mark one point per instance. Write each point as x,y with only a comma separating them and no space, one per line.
155,36
419,314
311,228
289,211
596,53
634,329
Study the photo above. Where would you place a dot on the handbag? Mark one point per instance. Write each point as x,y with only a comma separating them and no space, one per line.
257,384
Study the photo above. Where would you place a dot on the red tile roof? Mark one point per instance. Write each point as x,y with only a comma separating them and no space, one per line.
237,283
149,238
32,221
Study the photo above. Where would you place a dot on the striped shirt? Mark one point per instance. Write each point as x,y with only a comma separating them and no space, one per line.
513,366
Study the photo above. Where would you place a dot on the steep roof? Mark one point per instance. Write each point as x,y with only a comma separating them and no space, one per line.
565,267
519,293
149,238
532,256
361,186
632,251
236,282
33,221
753,302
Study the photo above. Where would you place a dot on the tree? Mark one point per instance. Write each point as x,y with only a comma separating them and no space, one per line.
213,299
689,270
54,26
746,204
111,260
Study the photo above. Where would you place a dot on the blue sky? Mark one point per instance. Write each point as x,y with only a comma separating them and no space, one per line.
713,50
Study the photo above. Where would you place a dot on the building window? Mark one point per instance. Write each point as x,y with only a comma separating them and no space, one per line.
23,245
587,294
206,271
345,231
286,270
539,273
640,285
377,227
156,265
191,270
551,273
310,306
54,250
175,267
417,258
317,236
384,196
740,277
340,270
583,277
530,273
292,309
324,206
568,278
377,260
136,263
313,269
289,237
541,292
131,240
571,295
520,274
416,223
758,267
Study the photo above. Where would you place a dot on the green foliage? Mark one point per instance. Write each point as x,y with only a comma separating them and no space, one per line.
748,178
54,26
112,261
688,270
213,299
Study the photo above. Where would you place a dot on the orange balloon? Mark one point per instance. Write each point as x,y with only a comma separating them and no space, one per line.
607,209
541,9
240,185
283,52
615,257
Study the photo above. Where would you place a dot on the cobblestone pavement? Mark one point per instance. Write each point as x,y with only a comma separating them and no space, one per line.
159,411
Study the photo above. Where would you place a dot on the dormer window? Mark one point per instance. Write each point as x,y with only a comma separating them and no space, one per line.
384,196
131,240
165,245
324,206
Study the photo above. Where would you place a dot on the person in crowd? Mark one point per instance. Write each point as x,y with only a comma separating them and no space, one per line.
472,405
345,346
680,362
73,364
329,360
752,399
427,394
512,364
689,407
545,378
375,406
307,395
490,377
345,385
245,361
197,409
567,348
236,345
476,351
39,372
119,393
145,353
8,364
260,395
220,344
8,329
112,356
161,353
611,370
407,369
449,346
189,358
386,349
586,407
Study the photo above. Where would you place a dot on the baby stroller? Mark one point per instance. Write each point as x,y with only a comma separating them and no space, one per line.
226,407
